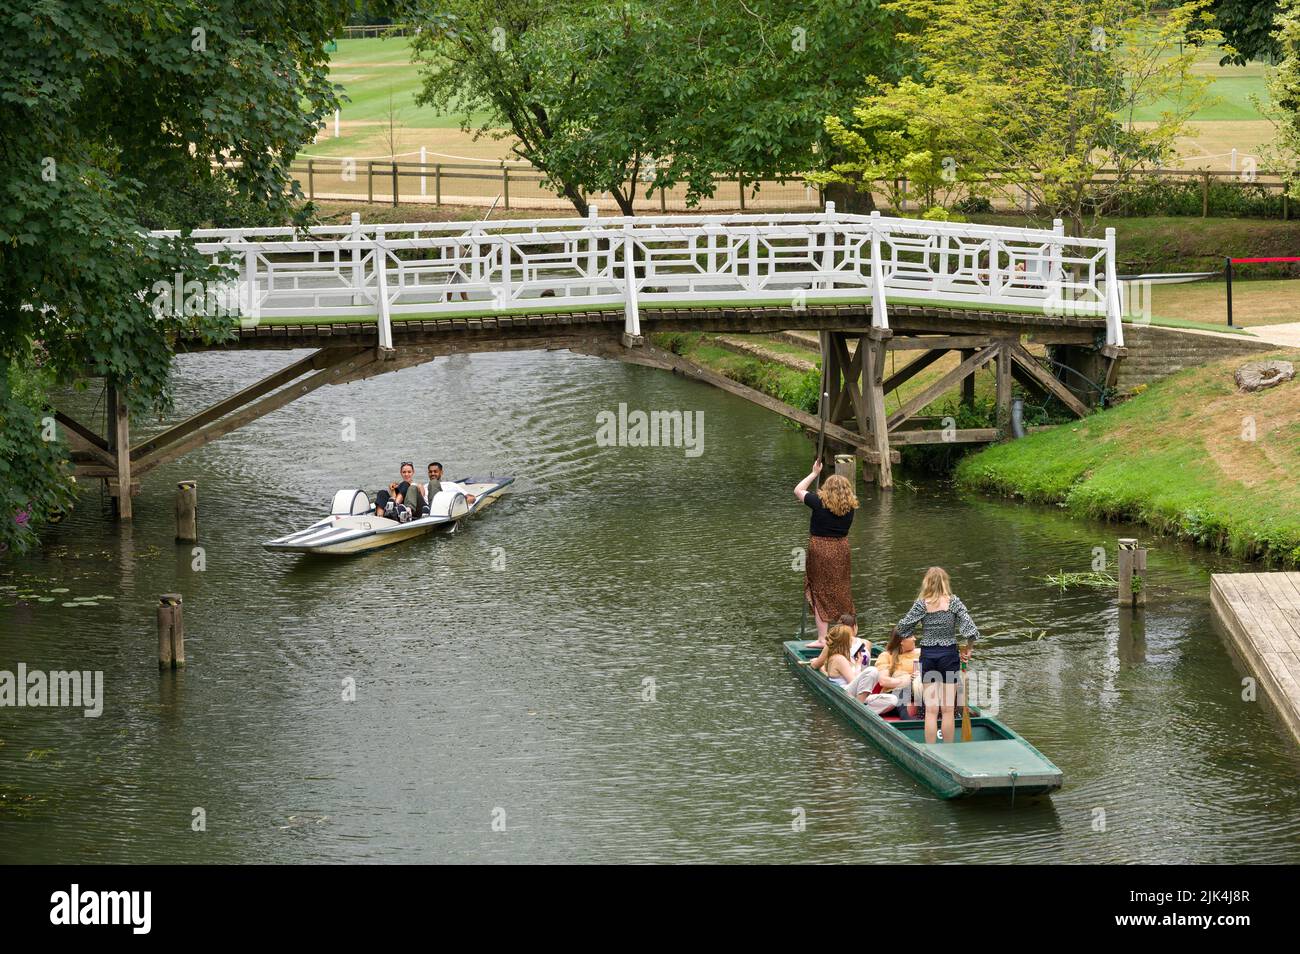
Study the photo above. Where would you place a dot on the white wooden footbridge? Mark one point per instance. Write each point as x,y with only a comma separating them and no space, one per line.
369,299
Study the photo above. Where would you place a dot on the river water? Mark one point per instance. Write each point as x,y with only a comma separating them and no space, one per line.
591,670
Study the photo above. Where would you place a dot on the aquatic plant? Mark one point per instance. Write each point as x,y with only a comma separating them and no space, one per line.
1097,579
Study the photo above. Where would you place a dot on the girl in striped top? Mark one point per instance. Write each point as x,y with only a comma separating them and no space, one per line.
944,620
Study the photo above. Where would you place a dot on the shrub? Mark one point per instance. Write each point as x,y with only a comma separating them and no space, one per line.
974,205
1161,195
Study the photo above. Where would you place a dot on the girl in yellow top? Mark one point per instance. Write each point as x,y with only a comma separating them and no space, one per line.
900,667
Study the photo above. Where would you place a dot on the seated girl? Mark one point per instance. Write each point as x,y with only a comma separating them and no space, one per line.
835,659
899,666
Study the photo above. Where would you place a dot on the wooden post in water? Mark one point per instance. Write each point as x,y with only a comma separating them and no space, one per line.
171,632
846,466
1132,562
187,511
119,442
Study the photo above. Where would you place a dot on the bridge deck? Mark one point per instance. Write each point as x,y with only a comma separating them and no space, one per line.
702,266
532,326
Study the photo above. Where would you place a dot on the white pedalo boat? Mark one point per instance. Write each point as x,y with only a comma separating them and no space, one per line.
352,526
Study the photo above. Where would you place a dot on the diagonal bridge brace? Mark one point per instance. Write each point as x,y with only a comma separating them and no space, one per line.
327,366
949,380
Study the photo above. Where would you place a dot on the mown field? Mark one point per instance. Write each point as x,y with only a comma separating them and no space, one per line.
372,70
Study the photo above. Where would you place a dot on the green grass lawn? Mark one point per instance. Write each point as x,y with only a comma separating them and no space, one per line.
1254,303
1177,457
1231,91
369,70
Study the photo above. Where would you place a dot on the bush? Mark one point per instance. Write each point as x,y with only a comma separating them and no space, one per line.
35,487
804,392
675,341
974,205
1161,195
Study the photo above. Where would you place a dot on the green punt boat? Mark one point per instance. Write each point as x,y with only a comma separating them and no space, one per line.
996,761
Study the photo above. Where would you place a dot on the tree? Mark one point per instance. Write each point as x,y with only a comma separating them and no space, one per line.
914,137
1247,30
1283,106
394,122
651,93
1061,84
121,116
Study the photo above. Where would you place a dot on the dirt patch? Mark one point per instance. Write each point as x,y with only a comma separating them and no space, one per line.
1246,435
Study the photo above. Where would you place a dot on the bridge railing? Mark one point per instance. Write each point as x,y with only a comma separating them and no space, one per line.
392,272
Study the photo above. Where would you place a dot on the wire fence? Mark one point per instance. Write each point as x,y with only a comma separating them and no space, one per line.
518,185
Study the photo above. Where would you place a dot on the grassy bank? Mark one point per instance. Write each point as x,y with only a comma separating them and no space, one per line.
796,388
1190,456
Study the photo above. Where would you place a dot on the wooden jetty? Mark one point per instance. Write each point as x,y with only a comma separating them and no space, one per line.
1261,614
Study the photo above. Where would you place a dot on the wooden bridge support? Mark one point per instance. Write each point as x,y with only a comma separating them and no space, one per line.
120,479
120,465
858,387
858,359
650,356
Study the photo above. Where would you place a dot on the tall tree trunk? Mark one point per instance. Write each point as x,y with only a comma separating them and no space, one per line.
625,201
847,198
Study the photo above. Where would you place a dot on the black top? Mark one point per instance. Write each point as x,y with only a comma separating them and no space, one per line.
824,523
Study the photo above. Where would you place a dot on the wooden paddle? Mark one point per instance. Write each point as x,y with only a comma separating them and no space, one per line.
965,703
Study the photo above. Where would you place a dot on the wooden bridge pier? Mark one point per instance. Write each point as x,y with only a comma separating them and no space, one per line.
859,389
113,458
